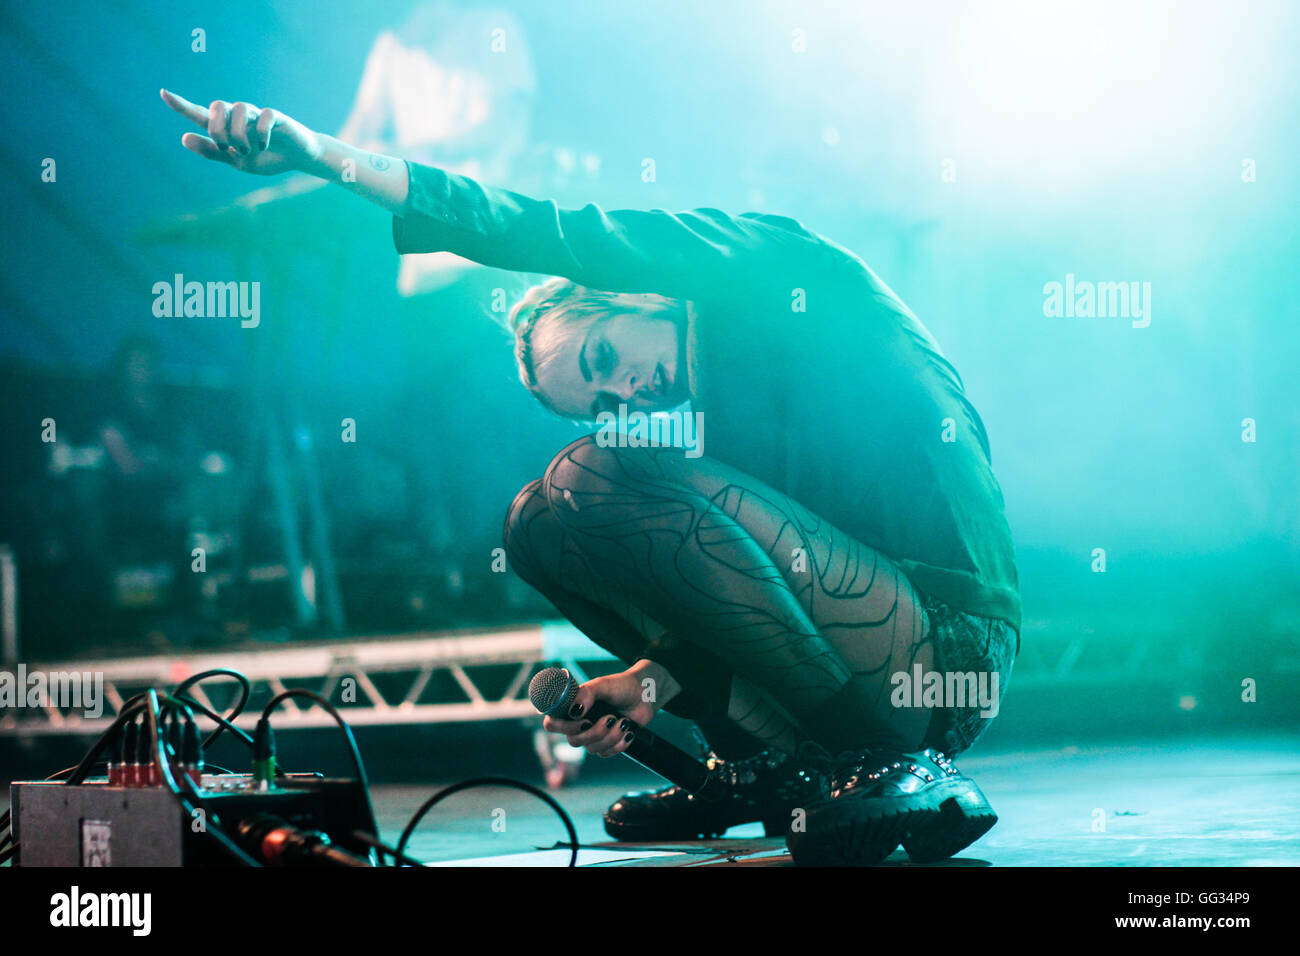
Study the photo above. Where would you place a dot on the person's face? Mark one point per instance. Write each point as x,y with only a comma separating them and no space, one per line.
629,359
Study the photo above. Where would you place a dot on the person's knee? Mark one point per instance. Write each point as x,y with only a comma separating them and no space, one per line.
582,467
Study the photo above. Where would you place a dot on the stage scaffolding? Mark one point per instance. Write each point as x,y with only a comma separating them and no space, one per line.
410,661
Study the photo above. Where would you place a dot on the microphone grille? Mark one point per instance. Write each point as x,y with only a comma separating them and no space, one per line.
550,688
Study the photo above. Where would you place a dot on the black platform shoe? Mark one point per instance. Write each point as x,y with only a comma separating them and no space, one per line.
878,800
766,788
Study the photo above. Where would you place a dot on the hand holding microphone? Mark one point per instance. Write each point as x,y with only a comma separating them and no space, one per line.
610,731
605,716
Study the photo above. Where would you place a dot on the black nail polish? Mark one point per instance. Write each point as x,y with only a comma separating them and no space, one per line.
576,711
623,724
627,737
609,722
585,725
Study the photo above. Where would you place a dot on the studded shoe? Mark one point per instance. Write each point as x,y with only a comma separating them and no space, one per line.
765,788
878,800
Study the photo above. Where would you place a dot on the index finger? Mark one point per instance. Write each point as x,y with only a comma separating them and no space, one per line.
191,111
567,727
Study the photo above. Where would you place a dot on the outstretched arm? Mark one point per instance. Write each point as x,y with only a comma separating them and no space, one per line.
698,254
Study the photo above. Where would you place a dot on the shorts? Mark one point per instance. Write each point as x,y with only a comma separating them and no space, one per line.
969,644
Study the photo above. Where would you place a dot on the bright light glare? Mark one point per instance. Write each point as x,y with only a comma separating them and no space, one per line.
1068,93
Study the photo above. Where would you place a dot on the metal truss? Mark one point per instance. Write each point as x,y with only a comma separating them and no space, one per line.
409,661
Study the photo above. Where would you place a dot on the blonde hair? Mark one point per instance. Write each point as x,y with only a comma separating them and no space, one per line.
559,311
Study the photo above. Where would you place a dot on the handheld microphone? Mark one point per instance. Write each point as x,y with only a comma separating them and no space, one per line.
552,692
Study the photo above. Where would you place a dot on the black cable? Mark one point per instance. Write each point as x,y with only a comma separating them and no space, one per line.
128,712
491,782
362,780
383,848
245,686
149,702
212,827
225,722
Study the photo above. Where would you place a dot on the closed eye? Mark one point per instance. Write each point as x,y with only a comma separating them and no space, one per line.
606,359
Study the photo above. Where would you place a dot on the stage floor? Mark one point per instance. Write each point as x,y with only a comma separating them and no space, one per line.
1195,802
